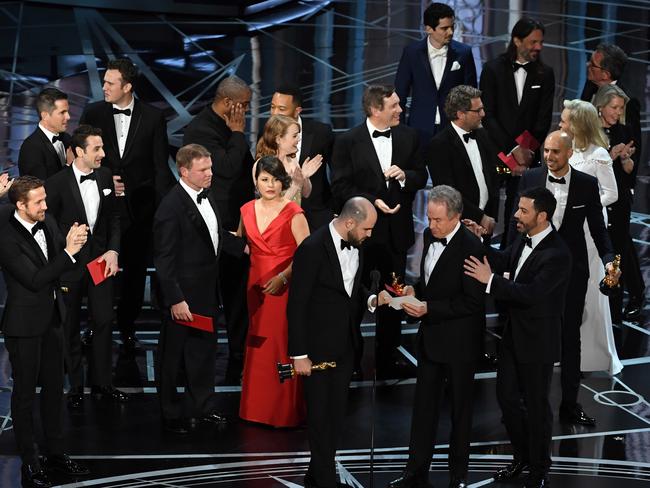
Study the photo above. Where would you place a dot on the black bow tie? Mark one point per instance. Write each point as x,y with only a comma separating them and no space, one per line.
38,226
561,181
345,245
202,194
379,133
528,241
89,176
56,138
469,135
516,66
441,240
126,111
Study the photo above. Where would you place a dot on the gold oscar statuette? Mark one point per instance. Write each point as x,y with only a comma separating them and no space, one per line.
287,371
609,283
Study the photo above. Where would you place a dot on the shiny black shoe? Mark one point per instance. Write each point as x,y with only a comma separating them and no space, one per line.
511,471
34,477
576,415
109,393
174,426
75,398
214,418
63,464
633,309
536,482
457,483
409,479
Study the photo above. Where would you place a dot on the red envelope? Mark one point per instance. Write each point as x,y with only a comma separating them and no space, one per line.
97,270
527,140
200,322
509,160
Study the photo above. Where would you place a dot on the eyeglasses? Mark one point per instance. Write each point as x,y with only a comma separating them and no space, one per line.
477,110
591,64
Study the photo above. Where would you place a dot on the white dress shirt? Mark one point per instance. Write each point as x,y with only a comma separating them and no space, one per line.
437,60
39,237
122,124
561,194
520,81
434,252
206,211
348,260
383,146
89,195
471,146
58,145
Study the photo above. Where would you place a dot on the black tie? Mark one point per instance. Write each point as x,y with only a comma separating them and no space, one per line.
89,176
37,226
379,133
56,138
516,66
441,240
560,181
469,135
202,194
528,241
126,111
345,245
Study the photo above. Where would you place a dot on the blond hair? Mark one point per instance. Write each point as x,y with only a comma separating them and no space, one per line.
585,125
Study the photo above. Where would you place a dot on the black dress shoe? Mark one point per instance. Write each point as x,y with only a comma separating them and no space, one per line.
175,426
536,482
75,398
511,471
457,483
109,393
409,479
576,415
63,464
34,477
633,309
87,337
214,418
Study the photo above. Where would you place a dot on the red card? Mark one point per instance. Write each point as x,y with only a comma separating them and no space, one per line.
527,140
200,322
509,161
97,270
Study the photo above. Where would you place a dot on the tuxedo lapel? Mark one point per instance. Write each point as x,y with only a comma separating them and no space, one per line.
423,57
48,144
570,199
370,152
509,83
334,261
195,216
76,194
136,119
34,251
452,56
219,228
458,143
111,137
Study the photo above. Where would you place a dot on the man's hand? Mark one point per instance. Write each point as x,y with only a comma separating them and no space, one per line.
475,228
613,274
408,290
416,311
5,184
395,172
181,311
488,223
76,238
235,118
311,165
119,186
111,263
381,205
518,170
523,156
479,270
302,366
383,298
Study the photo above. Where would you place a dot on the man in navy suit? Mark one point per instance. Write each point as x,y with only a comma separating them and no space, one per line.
429,68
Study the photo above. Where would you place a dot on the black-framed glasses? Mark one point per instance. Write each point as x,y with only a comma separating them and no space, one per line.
477,110
591,64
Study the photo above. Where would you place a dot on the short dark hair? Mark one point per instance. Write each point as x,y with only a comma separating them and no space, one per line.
273,166
127,69
373,97
46,100
543,200
293,91
460,98
189,153
230,87
614,59
436,11
80,137
21,187
521,30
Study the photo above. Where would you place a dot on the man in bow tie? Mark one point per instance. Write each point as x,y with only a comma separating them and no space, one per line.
135,142
429,68
45,151
380,160
450,340
518,93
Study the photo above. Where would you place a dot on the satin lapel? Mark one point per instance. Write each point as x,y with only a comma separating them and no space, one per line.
485,159
48,144
305,145
426,242
423,56
30,244
531,79
458,143
509,83
101,183
136,119
195,216
76,194
371,153
445,259
219,228
533,255
516,256
334,260
452,56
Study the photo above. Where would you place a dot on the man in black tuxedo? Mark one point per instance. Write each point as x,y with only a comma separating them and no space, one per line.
380,160
188,239
44,152
463,157
135,143
33,256
450,339
326,305
83,192
518,93
315,138
220,127
530,277
578,200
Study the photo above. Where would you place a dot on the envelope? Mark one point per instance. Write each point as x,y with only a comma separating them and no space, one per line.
509,160
527,141
96,270
396,302
455,66
200,322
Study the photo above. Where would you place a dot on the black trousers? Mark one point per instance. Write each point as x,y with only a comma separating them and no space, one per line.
193,352
100,306
37,360
573,309
234,277
432,378
529,423
326,394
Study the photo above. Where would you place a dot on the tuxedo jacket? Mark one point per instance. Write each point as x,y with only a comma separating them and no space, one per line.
534,300
323,319
65,204
452,330
583,203
356,171
33,291
414,77
37,156
504,118
317,138
232,163
144,166
449,164
184,255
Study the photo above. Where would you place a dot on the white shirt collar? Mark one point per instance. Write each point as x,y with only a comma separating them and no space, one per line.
23,222
190,191
539,237
129,106
78,173
567,177
434,51
336,237
459,130
48,133
372,128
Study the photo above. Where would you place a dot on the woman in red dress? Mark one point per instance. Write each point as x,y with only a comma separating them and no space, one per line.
274,227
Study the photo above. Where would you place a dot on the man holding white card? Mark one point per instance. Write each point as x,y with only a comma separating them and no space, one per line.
450,339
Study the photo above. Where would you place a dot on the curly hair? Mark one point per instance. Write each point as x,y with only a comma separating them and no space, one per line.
276,126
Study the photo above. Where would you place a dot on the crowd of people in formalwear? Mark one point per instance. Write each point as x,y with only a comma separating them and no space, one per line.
290,241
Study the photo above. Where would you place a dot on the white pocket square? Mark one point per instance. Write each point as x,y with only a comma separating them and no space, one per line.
578,206
455,66
107,191
535,86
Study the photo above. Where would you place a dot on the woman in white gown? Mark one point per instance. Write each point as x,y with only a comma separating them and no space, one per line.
590,155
